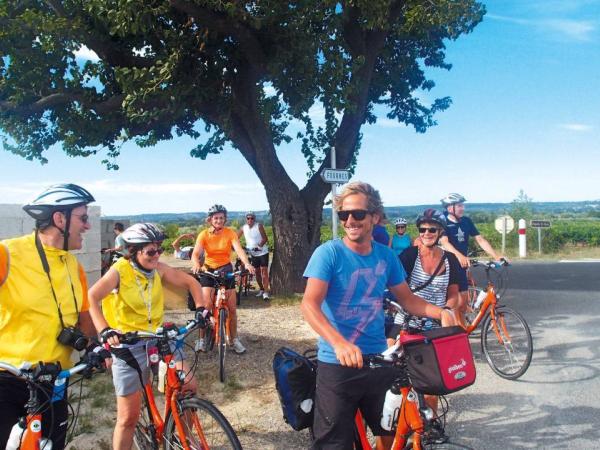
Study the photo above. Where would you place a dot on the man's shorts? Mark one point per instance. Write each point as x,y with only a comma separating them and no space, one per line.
126,358
210,282
340,391
463,282
260,261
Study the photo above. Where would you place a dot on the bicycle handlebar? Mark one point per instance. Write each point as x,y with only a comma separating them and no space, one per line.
490,264
163,332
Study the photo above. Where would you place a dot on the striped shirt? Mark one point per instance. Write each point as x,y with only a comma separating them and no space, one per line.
435,293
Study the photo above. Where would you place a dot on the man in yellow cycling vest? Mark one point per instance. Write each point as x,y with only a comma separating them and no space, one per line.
43,302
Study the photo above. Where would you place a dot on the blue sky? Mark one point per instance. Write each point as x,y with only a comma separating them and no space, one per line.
525,87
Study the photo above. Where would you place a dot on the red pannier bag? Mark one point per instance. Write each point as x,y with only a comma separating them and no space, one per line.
440,360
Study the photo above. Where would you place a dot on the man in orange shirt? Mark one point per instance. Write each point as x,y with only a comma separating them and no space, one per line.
216,243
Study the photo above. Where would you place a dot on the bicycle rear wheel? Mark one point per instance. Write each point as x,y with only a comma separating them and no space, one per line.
144,437
506,343
204,425
222,343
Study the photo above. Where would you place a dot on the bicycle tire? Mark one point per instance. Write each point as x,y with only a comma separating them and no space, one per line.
143,437
509,359
209,336
222,343
211,425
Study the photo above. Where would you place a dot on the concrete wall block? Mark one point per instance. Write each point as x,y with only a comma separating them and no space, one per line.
92,277
10,227
90,261
10,210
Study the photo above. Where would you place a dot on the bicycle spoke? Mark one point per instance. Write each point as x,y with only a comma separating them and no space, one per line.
204,427
507,344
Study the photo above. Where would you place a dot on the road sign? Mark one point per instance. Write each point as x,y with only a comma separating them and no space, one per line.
540,224
335,175
504,224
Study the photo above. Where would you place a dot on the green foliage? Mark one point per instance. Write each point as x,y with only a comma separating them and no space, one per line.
163,66
522,206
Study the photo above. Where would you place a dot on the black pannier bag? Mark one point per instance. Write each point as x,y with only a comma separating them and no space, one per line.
440,360
295,381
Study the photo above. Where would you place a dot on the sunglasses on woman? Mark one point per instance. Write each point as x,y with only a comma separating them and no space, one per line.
358,214
432,230
153,252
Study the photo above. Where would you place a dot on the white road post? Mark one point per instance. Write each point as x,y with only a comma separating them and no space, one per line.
522,238
334,216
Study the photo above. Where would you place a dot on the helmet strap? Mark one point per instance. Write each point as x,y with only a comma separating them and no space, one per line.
66,230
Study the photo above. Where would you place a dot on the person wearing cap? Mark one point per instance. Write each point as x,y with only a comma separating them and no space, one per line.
258,248
43,291
400,241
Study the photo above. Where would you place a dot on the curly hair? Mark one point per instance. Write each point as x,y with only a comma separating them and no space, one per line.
374,203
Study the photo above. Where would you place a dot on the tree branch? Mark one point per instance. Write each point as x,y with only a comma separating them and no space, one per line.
226,25
53,100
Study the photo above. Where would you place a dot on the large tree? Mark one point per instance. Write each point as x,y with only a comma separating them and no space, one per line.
238,72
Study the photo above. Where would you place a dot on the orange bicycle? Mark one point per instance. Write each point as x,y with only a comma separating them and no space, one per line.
188,422
414,420
218,329
27,432
506,339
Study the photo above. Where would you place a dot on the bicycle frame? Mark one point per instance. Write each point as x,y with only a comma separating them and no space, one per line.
219,304
172,394
32,436
490,302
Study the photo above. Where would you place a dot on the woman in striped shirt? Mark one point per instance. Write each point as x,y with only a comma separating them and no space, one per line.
432,274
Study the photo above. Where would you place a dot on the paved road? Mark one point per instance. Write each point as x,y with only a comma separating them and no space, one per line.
556,404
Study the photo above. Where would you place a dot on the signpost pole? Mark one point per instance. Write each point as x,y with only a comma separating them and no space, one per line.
504,235
334,217
540,240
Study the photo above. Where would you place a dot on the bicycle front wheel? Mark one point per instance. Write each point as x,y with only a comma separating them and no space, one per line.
506,343
204,427
222,343
144,436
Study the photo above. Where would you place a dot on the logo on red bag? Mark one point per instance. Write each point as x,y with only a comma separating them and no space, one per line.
455,367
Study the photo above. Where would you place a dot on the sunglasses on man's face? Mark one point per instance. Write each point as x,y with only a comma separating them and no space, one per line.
400,226
358,214
153,252
432,230
249,218
83,217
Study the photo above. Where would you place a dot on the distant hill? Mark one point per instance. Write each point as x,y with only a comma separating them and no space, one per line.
409,212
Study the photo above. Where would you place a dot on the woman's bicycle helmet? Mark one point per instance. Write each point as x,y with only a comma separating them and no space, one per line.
452,199
143,233
214,209
400,221
432,216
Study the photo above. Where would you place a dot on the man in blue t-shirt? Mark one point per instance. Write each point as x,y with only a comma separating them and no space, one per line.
343,303
458,231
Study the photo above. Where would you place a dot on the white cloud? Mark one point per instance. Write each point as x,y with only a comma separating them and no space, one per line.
86,53
578,127
576,30
389,123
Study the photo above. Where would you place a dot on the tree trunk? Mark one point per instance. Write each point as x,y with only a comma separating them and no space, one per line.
296,231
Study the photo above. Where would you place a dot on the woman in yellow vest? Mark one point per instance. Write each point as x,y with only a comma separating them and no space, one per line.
136,304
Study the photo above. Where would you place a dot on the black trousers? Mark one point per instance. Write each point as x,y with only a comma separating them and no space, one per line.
13,397
340,392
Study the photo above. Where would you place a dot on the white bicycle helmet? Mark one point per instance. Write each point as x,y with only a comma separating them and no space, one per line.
143,233
58,197
400,221
452,199
214,209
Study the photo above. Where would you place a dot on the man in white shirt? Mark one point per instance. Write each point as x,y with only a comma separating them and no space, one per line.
256,245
